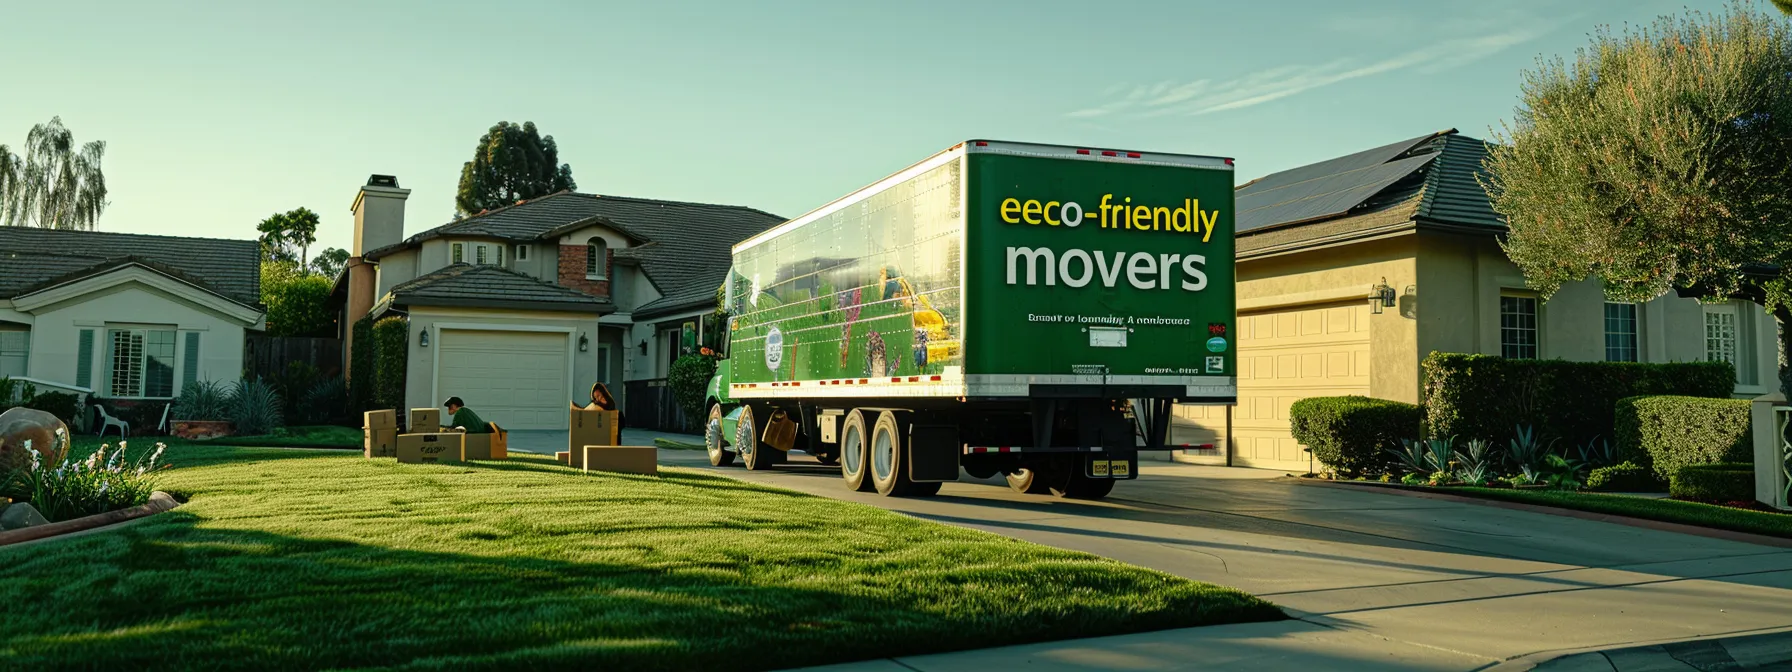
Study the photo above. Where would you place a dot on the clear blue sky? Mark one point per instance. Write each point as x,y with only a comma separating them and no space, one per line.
218,114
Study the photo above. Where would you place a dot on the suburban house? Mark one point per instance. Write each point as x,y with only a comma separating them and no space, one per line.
1409,225
124,317
519,310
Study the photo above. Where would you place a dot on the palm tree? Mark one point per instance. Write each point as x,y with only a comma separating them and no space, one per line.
53,186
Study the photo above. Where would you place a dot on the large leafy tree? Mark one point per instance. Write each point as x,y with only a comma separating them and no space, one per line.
297,301
56,184
287,236
1784,5
512,163
1659,160
329,262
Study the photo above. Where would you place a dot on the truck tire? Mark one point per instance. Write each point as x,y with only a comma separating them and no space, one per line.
1029,482
1079,486
712,439
755,453
887,463
852,452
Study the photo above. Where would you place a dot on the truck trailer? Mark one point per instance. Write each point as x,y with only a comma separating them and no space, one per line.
998,308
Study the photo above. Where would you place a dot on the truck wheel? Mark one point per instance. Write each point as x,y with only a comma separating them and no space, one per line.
889,471
1079,486
757,455
1029,482
712,439
852,453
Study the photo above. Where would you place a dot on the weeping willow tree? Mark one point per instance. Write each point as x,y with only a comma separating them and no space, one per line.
55,185
1658,160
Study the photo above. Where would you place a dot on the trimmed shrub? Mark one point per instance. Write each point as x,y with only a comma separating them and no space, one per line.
1623,477
360,366
254,408
202,400
689,379
390,336
1668,433
1725,482
298,301
60,404
1353,435
1487,396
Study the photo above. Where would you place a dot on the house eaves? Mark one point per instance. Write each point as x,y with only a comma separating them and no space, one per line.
128,272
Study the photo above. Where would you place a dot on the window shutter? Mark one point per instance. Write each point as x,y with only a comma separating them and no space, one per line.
84,360
190,370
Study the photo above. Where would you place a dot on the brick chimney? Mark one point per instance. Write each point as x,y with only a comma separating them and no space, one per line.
379,222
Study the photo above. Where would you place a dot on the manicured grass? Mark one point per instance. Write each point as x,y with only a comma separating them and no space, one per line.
321,436
1665,510
672,444
306,559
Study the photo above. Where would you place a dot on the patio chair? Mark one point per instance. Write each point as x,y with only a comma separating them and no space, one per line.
108,421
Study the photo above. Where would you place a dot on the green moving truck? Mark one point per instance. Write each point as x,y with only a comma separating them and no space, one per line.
1004,308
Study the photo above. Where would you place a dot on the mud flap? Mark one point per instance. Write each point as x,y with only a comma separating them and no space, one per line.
933,453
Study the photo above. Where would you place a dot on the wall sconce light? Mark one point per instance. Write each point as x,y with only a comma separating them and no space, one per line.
584,343
423,338
1381,296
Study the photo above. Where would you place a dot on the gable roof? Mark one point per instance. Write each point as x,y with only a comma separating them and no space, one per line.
28,256
1439,169
487,286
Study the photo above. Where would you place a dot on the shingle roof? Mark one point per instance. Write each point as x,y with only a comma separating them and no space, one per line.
230,268
494,287
1440,170
685,247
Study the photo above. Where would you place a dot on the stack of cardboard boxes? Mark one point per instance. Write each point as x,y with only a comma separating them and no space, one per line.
426,442
591,444
379,436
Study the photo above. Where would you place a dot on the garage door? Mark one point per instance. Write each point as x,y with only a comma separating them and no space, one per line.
1285,355
514,378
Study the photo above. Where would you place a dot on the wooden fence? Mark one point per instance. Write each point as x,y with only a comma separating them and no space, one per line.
651,405
268,356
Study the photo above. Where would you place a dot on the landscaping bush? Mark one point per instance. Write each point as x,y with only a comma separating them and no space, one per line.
105,481
1726,482
1353,435
690,384
298,302
254,407
1487,397
390,336
63,405
202,400
360,366
324,402
1667,433
1623,477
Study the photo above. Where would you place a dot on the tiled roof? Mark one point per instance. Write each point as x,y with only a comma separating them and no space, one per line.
28,257
684,250
491,286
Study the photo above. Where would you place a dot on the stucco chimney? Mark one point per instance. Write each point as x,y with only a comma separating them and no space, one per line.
379,214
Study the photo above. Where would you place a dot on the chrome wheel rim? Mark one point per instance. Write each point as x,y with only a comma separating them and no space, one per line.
712,436
743,434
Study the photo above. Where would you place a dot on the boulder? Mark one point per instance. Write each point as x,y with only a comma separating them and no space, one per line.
48,436
21,515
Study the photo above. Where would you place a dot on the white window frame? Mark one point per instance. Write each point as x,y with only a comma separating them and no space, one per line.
479,255
24,353
597,258
1536,328
457,252
521,253
142,360
1635,334
1738,349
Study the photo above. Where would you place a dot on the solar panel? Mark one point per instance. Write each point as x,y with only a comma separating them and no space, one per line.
1327,188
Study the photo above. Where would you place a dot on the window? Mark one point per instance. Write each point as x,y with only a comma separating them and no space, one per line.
479,254
597,258
1518,327
459,252
498,251
603,364
1720,334
141,362
15,352
1620,332
522,253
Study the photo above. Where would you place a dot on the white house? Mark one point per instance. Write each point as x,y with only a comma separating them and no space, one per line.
520,309
124,317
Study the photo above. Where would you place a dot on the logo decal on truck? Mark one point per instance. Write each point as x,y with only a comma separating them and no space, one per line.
1216,364
774,348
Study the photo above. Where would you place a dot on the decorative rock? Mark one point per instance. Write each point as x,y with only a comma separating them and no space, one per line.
48,436
21,515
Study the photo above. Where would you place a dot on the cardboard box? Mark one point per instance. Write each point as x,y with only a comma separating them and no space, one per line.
592,427
425,421
380,442
490,446
564,456
432,447
624,459
386,419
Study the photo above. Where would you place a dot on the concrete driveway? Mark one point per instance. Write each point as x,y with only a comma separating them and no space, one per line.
1375,580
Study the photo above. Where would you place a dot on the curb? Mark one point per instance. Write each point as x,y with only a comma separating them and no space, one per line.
1751,649
1662,526
158,502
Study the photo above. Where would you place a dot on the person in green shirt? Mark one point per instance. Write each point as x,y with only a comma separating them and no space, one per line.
461,417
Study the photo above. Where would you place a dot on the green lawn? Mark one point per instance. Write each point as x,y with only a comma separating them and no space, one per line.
322,436
309,559
1666,510
674,444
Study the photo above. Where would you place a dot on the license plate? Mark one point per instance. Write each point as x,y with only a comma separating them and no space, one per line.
1099,468
1120,469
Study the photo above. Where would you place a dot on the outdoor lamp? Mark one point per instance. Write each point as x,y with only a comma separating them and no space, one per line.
584,343
423,338
1380,296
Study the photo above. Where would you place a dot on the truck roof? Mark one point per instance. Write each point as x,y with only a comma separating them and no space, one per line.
975,146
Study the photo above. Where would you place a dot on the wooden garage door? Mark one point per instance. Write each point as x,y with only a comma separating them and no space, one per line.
514,378
1285,355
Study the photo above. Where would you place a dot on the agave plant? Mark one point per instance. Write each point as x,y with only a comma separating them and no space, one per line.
1473,466
202,400
1598,453
255,408
1411,456
1525,450
1438,453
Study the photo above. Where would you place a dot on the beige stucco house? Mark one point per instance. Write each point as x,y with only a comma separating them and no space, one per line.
1315,242
520,309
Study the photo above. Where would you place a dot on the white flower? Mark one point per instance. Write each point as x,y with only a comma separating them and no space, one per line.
103,486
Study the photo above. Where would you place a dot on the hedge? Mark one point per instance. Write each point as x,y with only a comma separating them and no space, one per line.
360,366
1623,477
689,380
1667,433
390,336
1352,435
1723,482
1488,397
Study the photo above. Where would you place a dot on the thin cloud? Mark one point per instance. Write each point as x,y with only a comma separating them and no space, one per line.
1207,96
